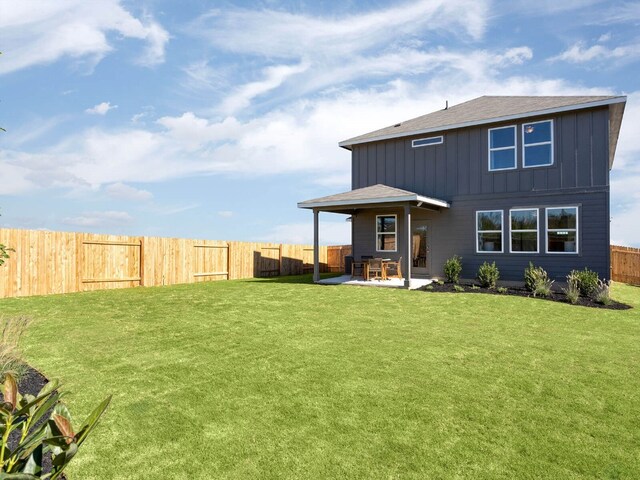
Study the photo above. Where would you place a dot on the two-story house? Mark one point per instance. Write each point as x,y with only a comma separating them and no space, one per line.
504,179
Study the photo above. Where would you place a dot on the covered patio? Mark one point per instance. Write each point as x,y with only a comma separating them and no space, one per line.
376,197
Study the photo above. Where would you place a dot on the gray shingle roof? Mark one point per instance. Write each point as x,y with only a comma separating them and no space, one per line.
482,110
374,194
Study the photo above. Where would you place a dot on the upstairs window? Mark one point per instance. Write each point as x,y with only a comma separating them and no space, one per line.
489,231
537,144
562,230
386,233
502,148
524,230
424,142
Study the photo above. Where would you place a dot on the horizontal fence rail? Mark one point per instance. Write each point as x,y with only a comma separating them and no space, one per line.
625,264
60,262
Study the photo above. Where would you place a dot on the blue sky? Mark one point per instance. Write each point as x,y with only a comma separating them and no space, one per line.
212,119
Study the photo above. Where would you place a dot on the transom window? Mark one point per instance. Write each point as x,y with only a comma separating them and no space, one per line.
524,230
502,148
386,233
537,144
424,142
562,230
489,231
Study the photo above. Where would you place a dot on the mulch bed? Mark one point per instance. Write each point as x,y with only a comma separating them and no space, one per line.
31,383
522,292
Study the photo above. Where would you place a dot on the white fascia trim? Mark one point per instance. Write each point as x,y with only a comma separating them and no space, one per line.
548,111
362,201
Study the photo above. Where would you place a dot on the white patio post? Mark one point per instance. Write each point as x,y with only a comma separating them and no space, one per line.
316,245
406,259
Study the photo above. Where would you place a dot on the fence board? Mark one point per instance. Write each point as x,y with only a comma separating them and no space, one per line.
61,262
625,264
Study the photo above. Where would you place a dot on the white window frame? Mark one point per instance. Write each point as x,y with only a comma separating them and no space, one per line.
537,230
547,230
395,233
550,142
440,137
514,148
491,231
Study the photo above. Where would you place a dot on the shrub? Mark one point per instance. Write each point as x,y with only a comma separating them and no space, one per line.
488,275
543,287
452,269
587,281
601,293
501,290
458,288
572,291
429,287
534,276
440,282
475,287
23,458
11,330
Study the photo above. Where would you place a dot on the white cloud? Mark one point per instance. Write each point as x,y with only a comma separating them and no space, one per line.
581,53
138,117
545,7
100,109
329,51
193,132
605,37
625,228
286,35
38,32
299,137
99,219
273,77
225,213
122,191
331,233
619,12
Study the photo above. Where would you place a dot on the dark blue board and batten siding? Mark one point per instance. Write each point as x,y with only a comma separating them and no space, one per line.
457,171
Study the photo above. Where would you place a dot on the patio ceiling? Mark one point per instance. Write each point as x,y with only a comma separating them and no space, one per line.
371,197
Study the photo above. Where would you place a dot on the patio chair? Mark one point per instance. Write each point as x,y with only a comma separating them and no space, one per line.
393,269
359,269
376,269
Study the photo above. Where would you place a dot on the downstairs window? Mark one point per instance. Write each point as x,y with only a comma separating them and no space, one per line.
386,233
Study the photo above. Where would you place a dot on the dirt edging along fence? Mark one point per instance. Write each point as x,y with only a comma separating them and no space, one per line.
625,264
47,262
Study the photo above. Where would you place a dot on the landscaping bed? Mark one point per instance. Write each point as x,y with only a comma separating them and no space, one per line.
554,296
31,383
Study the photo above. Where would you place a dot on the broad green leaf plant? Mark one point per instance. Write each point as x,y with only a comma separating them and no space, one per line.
4,250
43,424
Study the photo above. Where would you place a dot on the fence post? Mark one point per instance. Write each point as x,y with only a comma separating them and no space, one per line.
228,260
79,260
141,266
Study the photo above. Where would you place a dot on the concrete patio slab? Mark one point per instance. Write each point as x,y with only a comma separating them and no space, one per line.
389,283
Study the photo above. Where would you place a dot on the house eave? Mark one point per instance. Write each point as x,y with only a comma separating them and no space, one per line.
549,111
364,201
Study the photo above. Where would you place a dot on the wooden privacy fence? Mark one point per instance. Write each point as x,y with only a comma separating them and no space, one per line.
59,262
335,257
625,264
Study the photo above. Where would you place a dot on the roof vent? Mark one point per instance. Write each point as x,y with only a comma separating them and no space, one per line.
446,105
397,125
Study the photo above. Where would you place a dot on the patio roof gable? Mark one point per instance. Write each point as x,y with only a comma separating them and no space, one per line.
373,195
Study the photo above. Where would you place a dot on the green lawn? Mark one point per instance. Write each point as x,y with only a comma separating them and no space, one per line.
285,379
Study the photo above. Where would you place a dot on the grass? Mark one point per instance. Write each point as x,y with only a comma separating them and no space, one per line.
285,379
